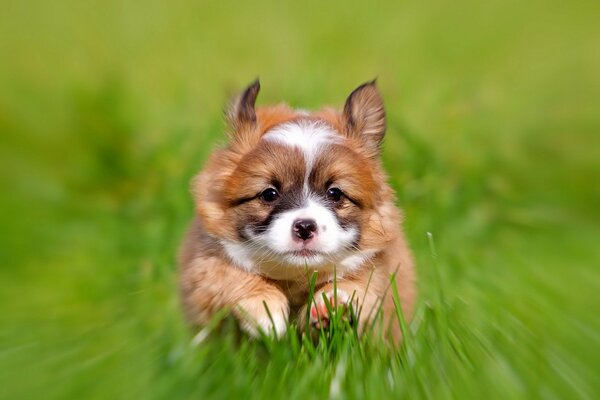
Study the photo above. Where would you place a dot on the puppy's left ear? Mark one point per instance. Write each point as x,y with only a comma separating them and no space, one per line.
241,113
364,117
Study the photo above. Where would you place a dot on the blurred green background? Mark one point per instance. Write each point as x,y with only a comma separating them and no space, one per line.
108,108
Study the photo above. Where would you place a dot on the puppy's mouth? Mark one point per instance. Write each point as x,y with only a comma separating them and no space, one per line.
306,253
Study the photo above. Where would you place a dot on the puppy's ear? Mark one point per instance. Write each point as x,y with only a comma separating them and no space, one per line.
241,112
364,117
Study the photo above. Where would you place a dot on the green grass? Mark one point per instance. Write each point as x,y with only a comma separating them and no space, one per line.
108,109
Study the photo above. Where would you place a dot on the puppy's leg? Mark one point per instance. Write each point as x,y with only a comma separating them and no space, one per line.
267,312
353,297
338,301
210,284
369,293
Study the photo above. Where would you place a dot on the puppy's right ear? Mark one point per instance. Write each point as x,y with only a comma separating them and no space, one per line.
241,113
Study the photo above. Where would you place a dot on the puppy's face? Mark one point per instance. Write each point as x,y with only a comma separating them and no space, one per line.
297,190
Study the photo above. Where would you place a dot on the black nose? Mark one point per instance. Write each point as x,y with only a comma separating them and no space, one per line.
304,228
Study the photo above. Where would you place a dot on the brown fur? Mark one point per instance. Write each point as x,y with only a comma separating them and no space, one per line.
209,281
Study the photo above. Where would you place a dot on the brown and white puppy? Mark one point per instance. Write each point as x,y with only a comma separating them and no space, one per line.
293,193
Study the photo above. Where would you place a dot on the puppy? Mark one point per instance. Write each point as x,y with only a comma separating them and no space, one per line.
297,193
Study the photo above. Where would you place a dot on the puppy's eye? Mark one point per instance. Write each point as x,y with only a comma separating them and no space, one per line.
269,195
334,194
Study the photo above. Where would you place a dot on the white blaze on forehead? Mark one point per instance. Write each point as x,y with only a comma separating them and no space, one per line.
308,136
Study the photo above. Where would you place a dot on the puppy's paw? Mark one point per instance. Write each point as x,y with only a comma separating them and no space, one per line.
340,304
254,317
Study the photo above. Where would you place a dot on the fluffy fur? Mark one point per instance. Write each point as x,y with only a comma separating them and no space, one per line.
281,167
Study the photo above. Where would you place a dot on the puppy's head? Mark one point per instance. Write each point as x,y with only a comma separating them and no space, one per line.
296,189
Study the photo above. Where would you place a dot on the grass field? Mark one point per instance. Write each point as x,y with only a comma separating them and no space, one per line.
108,108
